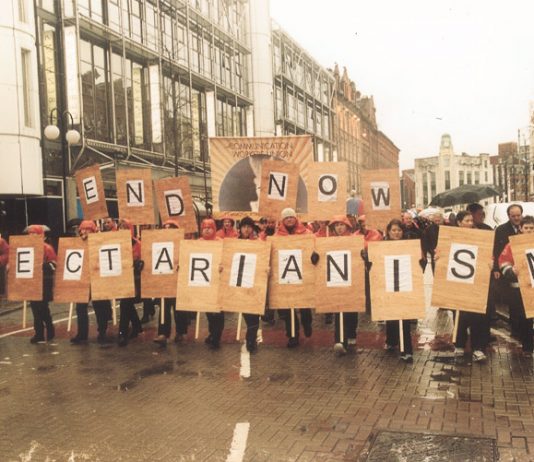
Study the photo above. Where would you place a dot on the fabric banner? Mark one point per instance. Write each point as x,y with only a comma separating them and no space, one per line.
236,169
340,275
25,274
198,276
111,265
523,252
327,190
134,194
160,251
381,197
278,187
72,280
243,286
91,192
173,196
292,277
461,279
396,280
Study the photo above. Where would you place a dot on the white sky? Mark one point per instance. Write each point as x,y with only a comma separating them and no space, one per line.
468,62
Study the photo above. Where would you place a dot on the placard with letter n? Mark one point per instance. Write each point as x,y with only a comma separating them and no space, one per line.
523,252
25,275
381,196
339,276
91,192
327,187
173,196
134,194
396,280
160,251
278,188
111,265
462,274
244,277
198,276
292,278
72,281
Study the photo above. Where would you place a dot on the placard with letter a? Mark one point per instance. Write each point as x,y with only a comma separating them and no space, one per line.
462,274
91,192
134,194
278,188
339,276
25,275
396,280
326,186
523,252
381,196
173,196
292,278
72,281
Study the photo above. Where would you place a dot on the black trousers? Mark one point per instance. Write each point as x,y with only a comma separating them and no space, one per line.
350,324
42,318
128,314
215,326
524,325
393,335
181,319
305,317
148,307
253,323
102,309
477,325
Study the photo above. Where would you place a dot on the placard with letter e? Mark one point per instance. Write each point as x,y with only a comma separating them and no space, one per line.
278,188
396,280
198,276
339,276
25,275
72,280
160,251
111,265
134,194
91,192
244,277
381,196
292,278
173,196
523,252
327,186
462,274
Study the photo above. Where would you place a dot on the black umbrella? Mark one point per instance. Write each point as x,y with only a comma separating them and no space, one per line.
465,194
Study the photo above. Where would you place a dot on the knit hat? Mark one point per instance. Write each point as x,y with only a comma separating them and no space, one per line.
288,212
35,229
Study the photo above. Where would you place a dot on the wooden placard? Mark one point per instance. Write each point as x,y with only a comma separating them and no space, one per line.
160,251
340,275
243,286
72,281
111,265
134,194
198,275
292,277
278,187
25,274
462,274
523,252
397,290
175,202
327,188
91,192
381,197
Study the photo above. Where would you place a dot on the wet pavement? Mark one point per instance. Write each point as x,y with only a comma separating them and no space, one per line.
61,402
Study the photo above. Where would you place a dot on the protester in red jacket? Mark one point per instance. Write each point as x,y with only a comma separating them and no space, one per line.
4,252
227,230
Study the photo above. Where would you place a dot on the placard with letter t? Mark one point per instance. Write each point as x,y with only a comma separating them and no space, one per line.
381,196
339,276
25,275
523,252
173,196
278,188
462,274
72,281
91,192
134,194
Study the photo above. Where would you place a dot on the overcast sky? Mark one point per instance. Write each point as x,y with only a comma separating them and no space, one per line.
463,67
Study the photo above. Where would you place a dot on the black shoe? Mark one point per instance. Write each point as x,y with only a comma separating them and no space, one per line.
208,340
102,339
179,338
307,330
123,340
328,318
293,342
252,347
78,340
214,345
160,340
36,339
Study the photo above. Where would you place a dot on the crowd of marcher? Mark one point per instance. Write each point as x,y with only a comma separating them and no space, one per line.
411,225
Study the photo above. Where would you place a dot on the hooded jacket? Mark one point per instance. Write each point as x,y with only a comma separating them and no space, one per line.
299,228
231,233
136,243
209,223
4,252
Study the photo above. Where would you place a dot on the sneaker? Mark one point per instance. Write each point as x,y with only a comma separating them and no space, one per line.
389,347
293,342
479,356
407,358
339,349
459,352
36,339
351,342
307,330
160,340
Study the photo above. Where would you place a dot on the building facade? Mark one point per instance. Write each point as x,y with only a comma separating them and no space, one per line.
449,170
408,189
513,172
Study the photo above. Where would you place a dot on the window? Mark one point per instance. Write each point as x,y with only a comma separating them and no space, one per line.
119,99
425,188
91,8
48,70
151,27
114,15
136,104
477,177
432,184
469,178
461,178
136,15
279,103
27,87
23,14
447,180
486,177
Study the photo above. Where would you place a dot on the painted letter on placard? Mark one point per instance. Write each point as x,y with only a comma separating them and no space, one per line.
162,257
90,190
277,186
380,195
338,268
73,264
398,269
200,269
462,263
25,259
174,200
327,188
135,193
290,266
243,270
530,261
109,258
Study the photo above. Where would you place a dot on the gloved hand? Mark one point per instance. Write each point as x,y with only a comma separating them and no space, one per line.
139,265
422,263
49,267
314,257
365,258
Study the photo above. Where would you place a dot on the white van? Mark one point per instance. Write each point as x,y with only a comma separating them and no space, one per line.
496,213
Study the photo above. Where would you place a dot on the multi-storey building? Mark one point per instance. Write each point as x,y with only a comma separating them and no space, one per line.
512,171
408,189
